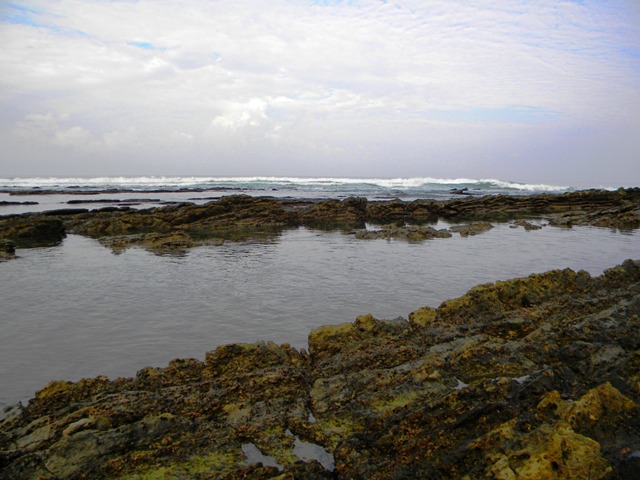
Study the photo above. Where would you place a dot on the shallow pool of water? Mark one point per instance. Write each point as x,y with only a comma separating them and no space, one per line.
78,310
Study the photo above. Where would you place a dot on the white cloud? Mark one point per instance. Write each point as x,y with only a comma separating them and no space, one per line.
120,139
77,137
182,136
346,79
55,129
35,125
249,114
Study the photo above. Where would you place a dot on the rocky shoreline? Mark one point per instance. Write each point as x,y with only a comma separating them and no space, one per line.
536,377
177,228
530,378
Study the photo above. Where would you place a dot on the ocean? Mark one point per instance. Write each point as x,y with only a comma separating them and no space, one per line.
333,186
144,192
79,310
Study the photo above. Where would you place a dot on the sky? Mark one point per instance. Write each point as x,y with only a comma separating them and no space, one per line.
543,91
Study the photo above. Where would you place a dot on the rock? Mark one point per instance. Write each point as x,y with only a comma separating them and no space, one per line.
492,301
471,229
32,230
64,211
7,250
536,377
558,447
335,212
412,233
526,225
174,243
4,203
419,233
10,412
240,216
423,317
549,451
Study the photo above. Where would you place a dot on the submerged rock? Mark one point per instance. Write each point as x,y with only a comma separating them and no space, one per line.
411,232
471,229
526,225
535,377
176,242
419,233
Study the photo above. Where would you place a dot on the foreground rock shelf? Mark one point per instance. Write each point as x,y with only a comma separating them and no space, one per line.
177,228
531,378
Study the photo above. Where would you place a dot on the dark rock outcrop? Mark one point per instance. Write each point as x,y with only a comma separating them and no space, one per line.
7,250
5,203
25,231
536,377
241,216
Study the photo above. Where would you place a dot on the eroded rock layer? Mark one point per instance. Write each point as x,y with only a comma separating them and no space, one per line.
531,378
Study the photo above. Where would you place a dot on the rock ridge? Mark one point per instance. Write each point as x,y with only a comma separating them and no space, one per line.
176,228
529,378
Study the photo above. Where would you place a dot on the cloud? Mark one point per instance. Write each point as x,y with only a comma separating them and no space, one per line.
55,129
77,137
36,125
237,116
340,82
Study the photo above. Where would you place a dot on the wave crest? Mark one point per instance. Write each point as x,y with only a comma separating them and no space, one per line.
409,187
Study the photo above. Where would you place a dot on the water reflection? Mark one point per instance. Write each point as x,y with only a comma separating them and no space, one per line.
77,310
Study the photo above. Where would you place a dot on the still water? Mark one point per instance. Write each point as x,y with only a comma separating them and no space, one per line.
78,310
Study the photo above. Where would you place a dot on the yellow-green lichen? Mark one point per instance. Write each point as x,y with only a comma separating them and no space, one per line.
333,430
216,463
423,317
381,405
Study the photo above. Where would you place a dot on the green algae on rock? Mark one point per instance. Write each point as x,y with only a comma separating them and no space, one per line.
530,378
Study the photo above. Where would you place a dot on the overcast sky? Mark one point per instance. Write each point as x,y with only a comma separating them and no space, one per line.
531,91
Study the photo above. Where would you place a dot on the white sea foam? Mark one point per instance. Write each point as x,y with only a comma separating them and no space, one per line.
537,187
146,182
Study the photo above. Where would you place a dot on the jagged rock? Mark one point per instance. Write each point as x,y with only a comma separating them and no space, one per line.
241,216
32,230
349,210
494,300
386,211
536,377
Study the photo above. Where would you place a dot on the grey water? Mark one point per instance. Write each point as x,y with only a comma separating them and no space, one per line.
78,310
21,195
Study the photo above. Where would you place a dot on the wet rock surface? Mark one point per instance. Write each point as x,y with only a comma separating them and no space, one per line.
7,250
535,377
26,231
240,216
410,232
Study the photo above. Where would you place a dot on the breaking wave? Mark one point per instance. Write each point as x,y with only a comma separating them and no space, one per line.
342,185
